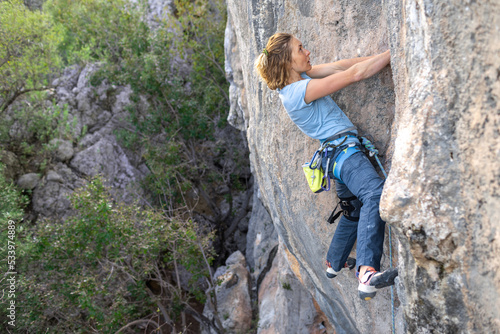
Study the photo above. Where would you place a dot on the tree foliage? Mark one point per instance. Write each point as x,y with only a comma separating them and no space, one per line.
110,264
91,272
175,69
12,201
99,30
12,205
180,94
28,54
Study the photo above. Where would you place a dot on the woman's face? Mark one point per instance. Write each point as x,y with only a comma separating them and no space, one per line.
300,57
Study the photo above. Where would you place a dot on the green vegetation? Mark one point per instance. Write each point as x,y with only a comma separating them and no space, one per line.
185,105
12,202
99,30
108,264
36,122
286,286
176,73
28,55
91,272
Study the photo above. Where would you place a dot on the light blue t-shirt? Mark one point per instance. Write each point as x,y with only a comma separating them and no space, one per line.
318,119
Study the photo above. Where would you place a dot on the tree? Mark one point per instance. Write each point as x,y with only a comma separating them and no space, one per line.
110,264
180,98
12,204
28,51
99,30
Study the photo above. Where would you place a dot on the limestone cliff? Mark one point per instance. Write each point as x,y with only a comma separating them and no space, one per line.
434,116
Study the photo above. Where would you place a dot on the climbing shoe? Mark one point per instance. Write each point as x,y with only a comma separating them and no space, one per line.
349,264
373,280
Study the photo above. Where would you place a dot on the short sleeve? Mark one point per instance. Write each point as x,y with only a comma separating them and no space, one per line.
305,76
293,95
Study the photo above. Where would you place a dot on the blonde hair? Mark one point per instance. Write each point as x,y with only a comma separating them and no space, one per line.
273,64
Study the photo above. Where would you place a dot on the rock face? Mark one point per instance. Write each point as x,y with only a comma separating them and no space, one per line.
50,198
262,239
94,113
28,181
443,192
64,149
262,294
285,306
233,295
434,118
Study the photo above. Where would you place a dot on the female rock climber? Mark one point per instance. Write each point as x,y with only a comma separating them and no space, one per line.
305,92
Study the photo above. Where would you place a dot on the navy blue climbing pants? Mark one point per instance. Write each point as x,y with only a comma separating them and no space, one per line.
361,180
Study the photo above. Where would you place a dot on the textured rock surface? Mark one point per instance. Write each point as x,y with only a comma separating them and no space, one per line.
443,193
50,198
28,181
108,159
233,295
285,306
261,238
280,301
437,126
94,112
63,149
278,148
233,68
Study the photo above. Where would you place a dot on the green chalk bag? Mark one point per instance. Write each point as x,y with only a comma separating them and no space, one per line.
315,177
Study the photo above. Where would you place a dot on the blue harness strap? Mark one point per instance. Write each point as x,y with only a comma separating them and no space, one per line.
346,153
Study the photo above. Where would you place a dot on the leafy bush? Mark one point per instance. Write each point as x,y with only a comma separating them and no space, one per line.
31,125
185,109
29,61
92,271
28,55
175,71
109,263
12,204
12,201
99,30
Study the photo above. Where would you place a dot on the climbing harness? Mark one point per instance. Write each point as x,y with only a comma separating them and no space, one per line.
319,181
346,208
374,153
344,154
316,177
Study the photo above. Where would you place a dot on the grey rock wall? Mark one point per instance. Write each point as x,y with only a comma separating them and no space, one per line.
278,148
233,296
94,114
261,239
285,306
443,191
433,115
260,293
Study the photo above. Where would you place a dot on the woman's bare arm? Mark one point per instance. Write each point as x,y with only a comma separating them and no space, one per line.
324,70
318,88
